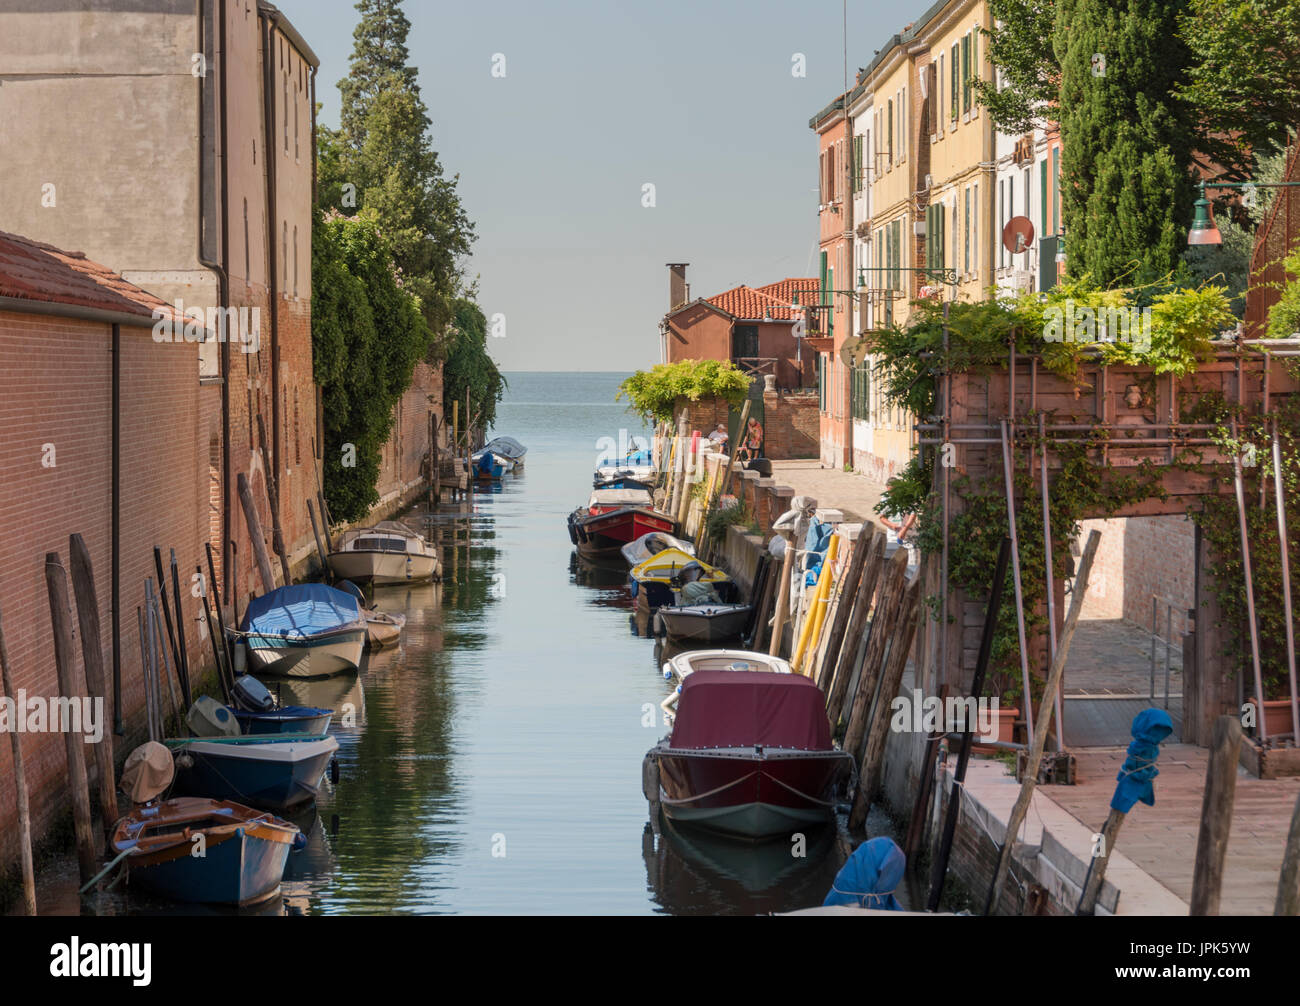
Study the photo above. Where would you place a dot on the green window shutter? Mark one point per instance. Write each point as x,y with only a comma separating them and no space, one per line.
1056,196
965,73
966,235
1042,199
956,80
830,302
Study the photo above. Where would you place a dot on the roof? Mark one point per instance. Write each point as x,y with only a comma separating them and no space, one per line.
767,303
43,274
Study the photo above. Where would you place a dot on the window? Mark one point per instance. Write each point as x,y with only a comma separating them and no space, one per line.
246,255
744,341
938,96
965,73
965,268
1056,198
296,103
1002,219
1028,215
902,124
889,141
821,381
861,405
829,301
284,245
295,261
1042,198
286,113
975,224
955,82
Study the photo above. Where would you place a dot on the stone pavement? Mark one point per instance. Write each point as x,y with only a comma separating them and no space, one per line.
1113,657
1161,840
855,495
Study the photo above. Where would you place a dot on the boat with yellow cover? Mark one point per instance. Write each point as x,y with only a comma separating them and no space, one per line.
659,579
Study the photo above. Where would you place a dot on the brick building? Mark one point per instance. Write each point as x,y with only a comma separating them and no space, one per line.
69,331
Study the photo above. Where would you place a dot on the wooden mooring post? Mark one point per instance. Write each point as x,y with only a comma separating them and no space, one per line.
1044,721
20,789
853,645
1216,815
92,655
255,533
56,583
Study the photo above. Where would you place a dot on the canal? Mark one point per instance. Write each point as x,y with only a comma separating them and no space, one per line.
492,763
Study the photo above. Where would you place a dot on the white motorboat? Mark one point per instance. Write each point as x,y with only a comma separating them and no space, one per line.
386,554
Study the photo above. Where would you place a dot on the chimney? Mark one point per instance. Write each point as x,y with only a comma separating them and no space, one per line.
678,290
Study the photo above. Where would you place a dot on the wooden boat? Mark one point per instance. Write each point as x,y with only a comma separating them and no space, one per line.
658,580
304,630
383,628
264,770
387,553
652,544
750,753
245,851
614,517
704,623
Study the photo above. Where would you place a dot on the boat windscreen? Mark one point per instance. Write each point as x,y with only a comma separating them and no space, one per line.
724,709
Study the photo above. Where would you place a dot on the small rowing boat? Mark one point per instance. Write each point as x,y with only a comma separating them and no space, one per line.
652,544
614,517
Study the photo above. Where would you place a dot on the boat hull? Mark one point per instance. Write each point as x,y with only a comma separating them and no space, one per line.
309,658
383,569
286,720
704,623
744,794
385,631
243,861
273,775
603,535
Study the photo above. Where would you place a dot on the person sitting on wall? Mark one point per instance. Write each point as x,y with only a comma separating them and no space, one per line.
905,531
719,435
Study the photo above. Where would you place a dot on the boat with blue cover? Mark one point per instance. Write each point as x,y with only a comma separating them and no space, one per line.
498,457
304,630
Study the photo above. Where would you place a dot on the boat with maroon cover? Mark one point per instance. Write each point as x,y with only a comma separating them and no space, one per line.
750,753
614,517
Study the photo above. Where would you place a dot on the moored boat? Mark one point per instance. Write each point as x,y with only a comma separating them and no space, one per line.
258,712
658,580
749,754
304,630
244,850
383,628
704,623
263,770
387,553
652,544
614,517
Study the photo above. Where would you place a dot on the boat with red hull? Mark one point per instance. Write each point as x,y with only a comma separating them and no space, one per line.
750,753
614,517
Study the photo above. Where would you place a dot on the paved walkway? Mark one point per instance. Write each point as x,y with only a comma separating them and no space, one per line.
1113,657
1161,840
855,495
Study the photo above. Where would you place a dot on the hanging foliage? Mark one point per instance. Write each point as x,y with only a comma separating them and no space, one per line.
653,393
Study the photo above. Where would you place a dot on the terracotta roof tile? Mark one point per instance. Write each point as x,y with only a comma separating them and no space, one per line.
31,270
767,302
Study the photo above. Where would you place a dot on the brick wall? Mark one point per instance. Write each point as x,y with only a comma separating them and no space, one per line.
405,455
1138,557
790,422
55,388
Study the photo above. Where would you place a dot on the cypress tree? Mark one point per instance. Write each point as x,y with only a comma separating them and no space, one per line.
1127,150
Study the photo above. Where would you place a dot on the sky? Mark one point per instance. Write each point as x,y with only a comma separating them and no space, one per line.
597,100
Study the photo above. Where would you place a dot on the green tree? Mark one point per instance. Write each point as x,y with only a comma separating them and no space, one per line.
1126,146
1020,46
1244,83
367,335
467,367
382,160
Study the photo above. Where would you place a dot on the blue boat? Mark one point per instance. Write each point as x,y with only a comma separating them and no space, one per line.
304,630
489,465
244,851
264,770
310,720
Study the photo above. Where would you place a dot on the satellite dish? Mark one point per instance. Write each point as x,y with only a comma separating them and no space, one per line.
854,351
1018,235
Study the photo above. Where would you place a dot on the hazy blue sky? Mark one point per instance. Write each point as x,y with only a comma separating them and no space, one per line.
599,98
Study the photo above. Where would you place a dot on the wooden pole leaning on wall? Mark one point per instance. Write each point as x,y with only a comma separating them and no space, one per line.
224,650
320,544
273,501
723,484
847,596
1288,881
900,646
183,669
20,789
851,647
255,533
1216,816
56,583
1044,720
92,656
882,623
782,597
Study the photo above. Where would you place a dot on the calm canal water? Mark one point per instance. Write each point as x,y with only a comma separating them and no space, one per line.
494,765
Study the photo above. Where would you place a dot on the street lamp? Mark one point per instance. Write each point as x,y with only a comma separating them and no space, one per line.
1204,232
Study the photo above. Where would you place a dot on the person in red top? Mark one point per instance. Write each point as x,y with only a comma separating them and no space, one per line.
752,445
